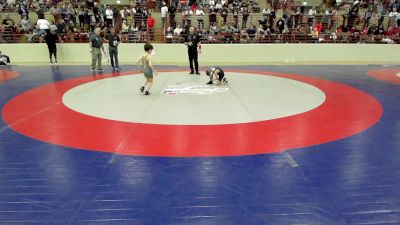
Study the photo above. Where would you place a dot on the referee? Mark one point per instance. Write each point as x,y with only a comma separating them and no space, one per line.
193,42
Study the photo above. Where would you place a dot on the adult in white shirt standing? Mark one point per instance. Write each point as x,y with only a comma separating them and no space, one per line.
311,16
219,5
211,3
392,18
109,16
164,11
200,17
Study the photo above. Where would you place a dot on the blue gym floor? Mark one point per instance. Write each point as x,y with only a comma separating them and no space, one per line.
355,180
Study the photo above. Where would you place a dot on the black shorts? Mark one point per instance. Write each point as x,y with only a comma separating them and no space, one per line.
221,76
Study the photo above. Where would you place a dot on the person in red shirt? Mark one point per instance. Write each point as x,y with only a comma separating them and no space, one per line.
319,27
150,26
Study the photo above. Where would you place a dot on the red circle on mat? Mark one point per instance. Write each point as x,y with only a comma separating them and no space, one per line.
7,75
387,75
40,114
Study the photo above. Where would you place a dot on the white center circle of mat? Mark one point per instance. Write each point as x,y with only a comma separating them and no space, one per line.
398,74
246,98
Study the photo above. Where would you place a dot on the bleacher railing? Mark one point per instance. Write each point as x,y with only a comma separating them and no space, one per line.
227,38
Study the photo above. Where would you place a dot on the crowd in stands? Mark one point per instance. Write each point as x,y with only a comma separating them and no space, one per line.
231,21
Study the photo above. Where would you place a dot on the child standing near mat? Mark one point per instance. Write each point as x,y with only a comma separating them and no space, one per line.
145,63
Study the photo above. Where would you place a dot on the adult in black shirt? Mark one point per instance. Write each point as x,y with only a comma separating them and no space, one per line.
172,11
113,42
51,38
281,25
353,14
245,16
212,17
193,42
224,14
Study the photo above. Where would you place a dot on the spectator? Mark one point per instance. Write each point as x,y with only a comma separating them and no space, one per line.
145,13
318,26
125,26
174,3
298,16
312,13
328,18
72,14
367,17
158,5
134,28
109,16
90,4
178,30
200,17
213,29
61,26
398,19
186,17
150,27
224,14
392,18
172,11
235,17
164,11
266,13
211,3
212,17
93,22
169,35
353,15
64,11
81,16
251,32
99,12
55,12
245,16
51,39
22,10
25,24
11,2
380,30
124,13
2,40
272,18
280,24
219,5
380,8
8,22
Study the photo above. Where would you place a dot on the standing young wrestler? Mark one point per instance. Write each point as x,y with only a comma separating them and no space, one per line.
145,63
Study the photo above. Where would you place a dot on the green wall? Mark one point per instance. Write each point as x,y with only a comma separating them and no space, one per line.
233,54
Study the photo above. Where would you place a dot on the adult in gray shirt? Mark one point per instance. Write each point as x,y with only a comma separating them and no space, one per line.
96,43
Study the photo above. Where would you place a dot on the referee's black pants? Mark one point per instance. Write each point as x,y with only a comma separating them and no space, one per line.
193,55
